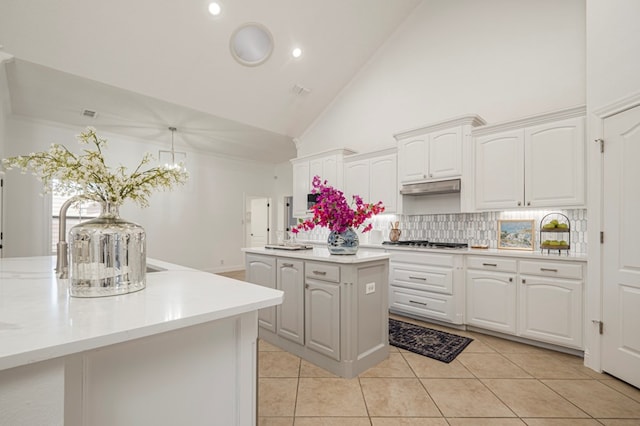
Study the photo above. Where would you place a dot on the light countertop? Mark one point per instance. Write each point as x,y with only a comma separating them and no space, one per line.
39,321
522,254
321,254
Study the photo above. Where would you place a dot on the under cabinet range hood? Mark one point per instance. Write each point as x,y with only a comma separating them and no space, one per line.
431,188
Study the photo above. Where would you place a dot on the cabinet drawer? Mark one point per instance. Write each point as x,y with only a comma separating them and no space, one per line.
422,278
491,264
446,260
322,271
551,269
422,303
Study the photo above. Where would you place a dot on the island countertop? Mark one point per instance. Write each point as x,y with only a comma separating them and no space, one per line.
39,321
321,254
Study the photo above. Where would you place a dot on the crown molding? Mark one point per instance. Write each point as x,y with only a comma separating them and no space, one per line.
469,119
533,120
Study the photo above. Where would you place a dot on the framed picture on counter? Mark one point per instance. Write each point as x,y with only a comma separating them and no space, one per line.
516,234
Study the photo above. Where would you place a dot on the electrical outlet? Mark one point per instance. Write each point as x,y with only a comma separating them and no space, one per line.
370,288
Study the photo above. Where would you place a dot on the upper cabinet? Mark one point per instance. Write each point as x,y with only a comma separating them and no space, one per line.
534,162
372,176
437,152
328,165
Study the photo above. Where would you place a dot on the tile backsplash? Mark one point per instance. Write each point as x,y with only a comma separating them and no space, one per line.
470,228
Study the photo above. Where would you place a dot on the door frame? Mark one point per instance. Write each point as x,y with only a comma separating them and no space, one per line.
595,279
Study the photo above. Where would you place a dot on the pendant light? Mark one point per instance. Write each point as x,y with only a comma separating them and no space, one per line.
172,158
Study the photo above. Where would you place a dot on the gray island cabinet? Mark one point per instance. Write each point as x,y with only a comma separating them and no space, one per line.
335,309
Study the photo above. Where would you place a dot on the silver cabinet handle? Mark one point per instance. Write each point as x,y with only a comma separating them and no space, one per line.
548,270
417,303
489,264
288,265
319,272
417,278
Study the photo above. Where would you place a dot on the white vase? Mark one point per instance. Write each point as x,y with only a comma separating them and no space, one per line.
107,256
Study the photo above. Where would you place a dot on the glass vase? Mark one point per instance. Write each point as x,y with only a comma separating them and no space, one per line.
107,256
343,242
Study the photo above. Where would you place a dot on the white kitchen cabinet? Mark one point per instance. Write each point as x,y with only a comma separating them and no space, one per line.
435,151
491,300
434,155
535,299
427,285
373,176
290,314
551,302
261,270
327,165
533,162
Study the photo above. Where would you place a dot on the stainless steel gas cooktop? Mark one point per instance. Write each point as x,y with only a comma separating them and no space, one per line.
426,244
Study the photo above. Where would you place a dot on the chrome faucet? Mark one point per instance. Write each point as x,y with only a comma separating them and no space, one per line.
62,251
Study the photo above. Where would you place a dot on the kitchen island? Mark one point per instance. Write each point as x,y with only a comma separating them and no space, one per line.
335,309
181,351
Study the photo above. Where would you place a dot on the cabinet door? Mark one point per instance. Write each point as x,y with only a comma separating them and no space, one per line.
412,158
383,172
491,300
315,169
322,318
330,171
555,164
261,270
445,153
499,170
356,179
550,310
290,314
301,186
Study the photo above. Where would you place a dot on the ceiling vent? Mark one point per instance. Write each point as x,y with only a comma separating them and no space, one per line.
89,113
299,90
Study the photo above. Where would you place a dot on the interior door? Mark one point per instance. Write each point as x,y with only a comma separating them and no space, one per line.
621,249
259,226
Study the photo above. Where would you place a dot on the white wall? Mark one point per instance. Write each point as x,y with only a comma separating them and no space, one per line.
199,225
501,59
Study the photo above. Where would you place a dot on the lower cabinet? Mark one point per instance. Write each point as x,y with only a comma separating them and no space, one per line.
334,314
323,318
261,270
491,300
290,314
538,300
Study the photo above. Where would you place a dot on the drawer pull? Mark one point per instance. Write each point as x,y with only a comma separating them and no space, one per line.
319,272
489,264
417,278
418,303
524,281
510,279
287,265
548,270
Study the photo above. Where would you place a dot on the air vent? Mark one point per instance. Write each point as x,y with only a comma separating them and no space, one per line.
89,113
299,90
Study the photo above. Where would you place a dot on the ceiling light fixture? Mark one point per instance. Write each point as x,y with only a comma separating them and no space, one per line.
215,9
296,52
172,158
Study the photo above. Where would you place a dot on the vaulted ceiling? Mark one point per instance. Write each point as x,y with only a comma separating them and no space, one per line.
146,65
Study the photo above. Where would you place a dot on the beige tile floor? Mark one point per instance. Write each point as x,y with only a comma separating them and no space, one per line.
492,382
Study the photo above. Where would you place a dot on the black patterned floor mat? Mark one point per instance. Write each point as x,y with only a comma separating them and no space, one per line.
435,344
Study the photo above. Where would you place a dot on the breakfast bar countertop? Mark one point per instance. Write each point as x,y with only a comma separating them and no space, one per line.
39,321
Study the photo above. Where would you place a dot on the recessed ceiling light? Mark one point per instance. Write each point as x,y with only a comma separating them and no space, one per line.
296,52
214,8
